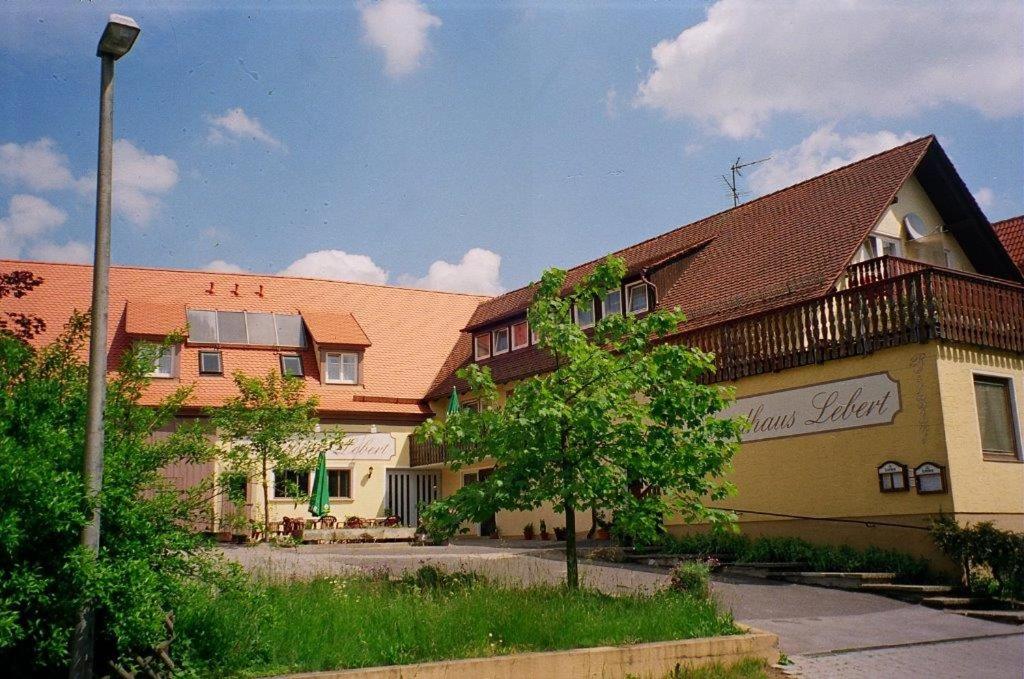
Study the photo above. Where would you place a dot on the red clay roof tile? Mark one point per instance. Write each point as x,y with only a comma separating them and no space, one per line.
1011,234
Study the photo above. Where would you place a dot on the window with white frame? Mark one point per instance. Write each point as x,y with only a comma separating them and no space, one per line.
637,298
880,246
500,341
583,313
520,335
166,362
341,367
996,418
612,303
482,346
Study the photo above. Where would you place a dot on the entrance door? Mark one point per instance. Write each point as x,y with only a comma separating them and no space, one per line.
407,489
490,523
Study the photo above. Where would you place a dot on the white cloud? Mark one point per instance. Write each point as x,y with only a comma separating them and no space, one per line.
986,197
28,217
221,266
37,165
337,265
479,271
72,251
235,124
824,150
748,62
399,29
140,179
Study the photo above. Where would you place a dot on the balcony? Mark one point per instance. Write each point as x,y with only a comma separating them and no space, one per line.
424,453
889,302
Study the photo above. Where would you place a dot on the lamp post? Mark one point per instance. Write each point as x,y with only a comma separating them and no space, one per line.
118,37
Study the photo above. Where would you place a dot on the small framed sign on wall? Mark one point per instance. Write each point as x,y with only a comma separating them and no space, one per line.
892,477
930,478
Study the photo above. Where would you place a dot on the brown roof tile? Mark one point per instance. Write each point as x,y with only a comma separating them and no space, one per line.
784,247
1011,234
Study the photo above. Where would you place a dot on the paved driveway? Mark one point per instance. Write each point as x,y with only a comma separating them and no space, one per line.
826,632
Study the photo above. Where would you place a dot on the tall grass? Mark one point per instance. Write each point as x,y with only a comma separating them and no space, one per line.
335,622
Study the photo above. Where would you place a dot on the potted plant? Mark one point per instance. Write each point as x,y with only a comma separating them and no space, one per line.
528,531
544,534
560,533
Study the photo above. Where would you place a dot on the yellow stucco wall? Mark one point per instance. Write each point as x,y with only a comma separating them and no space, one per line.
368,489
912,198
981,489
833,474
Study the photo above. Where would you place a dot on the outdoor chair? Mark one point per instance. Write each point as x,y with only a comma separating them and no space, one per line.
329,522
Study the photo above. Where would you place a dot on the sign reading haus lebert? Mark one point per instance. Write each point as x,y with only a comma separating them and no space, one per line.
845,404
364,447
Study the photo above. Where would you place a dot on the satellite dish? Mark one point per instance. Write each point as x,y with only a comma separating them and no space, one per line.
915,226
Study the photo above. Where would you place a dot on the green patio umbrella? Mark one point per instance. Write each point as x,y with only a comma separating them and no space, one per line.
453,402
319,501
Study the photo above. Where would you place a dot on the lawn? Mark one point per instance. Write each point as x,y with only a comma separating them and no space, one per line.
334,623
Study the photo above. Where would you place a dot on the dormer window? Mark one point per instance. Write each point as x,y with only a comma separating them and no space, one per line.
637,300
612,303
520,335
500,341
583,313
341,367
482,346
165,363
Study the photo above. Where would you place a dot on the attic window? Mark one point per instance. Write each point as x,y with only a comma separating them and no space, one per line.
612,303
520,335
210,363
583,313
637,300
245,328
500,343
482,346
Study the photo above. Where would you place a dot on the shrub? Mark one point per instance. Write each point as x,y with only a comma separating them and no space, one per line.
741,549
693,578
983,549
149,557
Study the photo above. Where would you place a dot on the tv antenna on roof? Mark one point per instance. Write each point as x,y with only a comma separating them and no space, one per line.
736,171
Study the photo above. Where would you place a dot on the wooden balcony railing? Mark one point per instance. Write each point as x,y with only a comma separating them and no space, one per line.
880,268
426,452
916,306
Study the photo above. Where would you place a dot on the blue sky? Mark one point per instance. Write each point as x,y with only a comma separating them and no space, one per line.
469,145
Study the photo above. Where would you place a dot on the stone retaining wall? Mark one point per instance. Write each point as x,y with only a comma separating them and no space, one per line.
656,660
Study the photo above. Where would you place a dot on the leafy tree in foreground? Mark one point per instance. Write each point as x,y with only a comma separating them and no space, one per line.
621,423
148,557
270,425
17,284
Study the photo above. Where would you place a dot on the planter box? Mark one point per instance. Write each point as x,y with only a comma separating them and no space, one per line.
383,534
656,659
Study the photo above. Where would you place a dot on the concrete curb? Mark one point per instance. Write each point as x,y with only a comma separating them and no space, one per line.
641,660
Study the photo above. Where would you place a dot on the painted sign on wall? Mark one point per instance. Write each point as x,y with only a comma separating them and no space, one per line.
364,447
844,404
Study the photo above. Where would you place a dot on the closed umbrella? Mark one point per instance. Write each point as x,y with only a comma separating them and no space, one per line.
453,402
319,501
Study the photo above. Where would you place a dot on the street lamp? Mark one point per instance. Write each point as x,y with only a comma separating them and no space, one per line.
118,37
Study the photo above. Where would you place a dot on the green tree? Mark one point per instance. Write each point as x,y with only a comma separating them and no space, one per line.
271,424
149,556
621,423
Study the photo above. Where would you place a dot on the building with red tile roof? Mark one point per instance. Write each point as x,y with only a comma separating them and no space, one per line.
880,280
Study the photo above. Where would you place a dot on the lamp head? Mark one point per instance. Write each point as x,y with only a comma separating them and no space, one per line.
118,37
